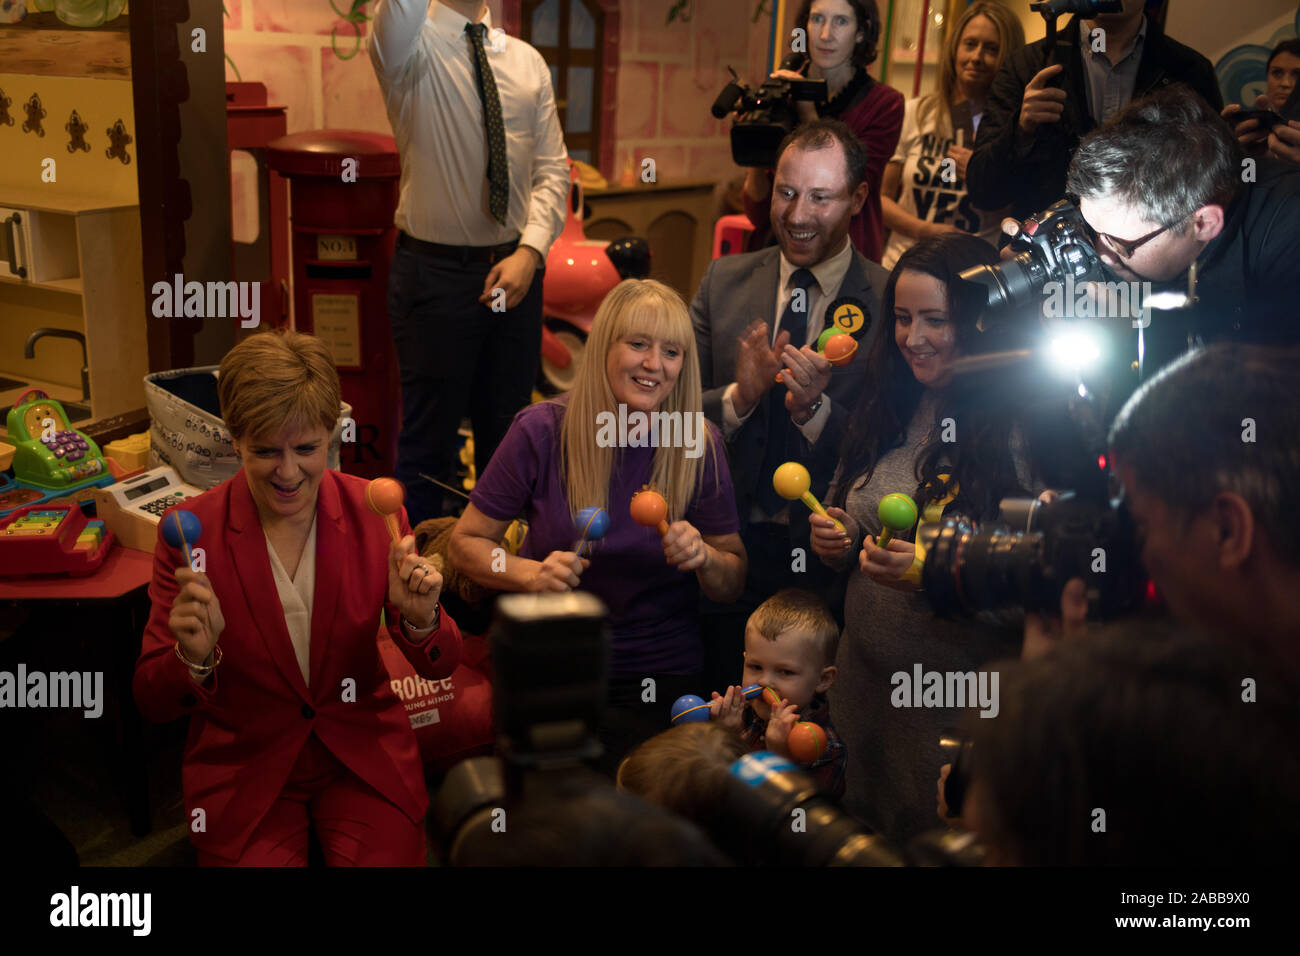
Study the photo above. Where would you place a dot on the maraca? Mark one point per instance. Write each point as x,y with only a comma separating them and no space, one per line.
181,529
650,509
792,482
826,336
840,349
592,523
807,742
897,513
690,708
385,497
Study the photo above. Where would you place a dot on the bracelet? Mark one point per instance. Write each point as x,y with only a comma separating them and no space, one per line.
433,626
200,670
812,410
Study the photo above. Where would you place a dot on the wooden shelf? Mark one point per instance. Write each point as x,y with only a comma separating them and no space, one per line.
70,286
27,197
45,46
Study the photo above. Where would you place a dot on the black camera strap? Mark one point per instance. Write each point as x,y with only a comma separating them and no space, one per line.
853,93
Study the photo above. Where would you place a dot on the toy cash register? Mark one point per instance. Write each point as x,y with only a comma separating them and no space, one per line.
133,506
51,454
41,539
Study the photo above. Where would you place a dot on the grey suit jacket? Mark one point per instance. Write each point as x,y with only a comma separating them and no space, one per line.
735,291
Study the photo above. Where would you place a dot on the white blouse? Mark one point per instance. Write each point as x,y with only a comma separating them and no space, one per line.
296,595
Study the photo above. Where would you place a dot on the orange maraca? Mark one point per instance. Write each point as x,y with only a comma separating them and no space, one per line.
792,482
385,497
649,509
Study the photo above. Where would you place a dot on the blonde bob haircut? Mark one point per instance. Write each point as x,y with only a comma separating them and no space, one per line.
274,381
633,307
1011,37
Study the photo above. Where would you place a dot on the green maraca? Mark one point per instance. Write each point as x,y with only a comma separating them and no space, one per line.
897,513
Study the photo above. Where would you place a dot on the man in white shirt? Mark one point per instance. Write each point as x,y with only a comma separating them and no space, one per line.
484,182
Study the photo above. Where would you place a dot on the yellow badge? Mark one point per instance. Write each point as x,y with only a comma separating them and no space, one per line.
849,318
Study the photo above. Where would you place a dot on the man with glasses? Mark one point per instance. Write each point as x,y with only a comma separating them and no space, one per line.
1171,201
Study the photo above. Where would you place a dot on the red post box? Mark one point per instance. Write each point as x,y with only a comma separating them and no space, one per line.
343,193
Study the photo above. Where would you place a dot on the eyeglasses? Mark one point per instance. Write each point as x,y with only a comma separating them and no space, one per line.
1125,248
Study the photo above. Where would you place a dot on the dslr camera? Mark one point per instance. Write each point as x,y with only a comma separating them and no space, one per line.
1026,557
766,115
1055,245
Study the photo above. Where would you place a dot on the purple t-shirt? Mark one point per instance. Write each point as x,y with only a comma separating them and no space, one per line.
653,607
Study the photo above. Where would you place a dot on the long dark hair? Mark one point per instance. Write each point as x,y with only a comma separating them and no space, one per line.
979,463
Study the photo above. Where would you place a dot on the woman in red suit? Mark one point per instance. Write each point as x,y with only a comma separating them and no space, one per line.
270,647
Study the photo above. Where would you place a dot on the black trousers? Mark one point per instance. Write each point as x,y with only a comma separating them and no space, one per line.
457,358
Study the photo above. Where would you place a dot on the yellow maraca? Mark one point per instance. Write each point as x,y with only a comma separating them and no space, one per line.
792,482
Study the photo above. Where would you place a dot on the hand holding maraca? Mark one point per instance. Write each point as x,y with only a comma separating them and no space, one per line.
806,375
828,542
685,547
414,585
888,564
782,720
196,620
729,709
560,571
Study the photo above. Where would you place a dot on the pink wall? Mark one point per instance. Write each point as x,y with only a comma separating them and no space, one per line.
668,75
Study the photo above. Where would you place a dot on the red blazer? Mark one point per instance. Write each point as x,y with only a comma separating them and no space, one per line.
248,726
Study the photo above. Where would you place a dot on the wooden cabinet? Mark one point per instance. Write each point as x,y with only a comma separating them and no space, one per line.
104,301
676,217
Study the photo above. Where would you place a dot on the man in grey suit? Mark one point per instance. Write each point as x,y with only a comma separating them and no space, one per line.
812,281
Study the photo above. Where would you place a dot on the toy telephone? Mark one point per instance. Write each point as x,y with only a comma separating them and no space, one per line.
51,454
133,506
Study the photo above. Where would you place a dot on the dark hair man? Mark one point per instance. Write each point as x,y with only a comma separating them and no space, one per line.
812,279
1171,200
1045,100
1209,454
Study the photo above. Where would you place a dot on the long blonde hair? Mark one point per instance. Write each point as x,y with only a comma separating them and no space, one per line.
1011,37
652,309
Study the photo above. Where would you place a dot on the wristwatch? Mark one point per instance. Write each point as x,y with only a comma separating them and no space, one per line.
812,410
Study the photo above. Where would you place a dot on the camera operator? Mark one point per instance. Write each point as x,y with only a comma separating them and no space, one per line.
841,37
1214,495
1161,186
1045,99
1282,139
1145,752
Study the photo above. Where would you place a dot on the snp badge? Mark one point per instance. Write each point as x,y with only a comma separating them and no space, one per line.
848,315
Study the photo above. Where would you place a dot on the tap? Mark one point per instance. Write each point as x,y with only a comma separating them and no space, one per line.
29,351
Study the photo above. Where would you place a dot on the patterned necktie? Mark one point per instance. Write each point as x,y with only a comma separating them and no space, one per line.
784,440
498,172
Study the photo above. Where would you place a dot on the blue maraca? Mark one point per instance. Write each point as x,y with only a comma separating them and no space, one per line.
181,529
689,708
592,523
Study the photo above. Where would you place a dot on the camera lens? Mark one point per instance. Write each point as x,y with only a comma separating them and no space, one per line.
1010,285
968,571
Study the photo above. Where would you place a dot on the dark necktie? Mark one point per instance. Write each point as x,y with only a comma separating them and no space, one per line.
498,172
784,440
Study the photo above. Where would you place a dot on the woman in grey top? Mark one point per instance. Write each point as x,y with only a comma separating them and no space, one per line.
922,433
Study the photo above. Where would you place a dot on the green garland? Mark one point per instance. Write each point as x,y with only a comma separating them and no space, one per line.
355,16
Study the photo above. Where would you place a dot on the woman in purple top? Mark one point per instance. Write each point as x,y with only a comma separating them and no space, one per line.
634,417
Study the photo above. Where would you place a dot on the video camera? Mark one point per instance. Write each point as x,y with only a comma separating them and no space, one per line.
765,116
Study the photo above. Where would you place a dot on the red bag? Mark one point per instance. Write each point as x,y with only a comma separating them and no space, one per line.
452,718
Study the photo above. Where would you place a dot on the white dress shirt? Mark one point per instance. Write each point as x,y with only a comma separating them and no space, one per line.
426,71
829,273
296,596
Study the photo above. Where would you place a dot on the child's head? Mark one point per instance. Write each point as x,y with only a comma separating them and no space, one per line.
790,643
683,769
